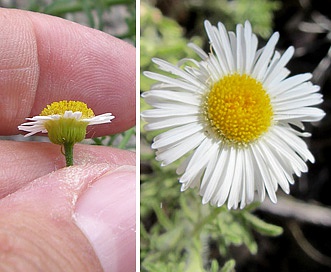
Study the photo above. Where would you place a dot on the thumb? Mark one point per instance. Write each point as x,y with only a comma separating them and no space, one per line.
106,214
41,226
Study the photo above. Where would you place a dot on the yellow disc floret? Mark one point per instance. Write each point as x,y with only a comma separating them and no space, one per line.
61,107
238,109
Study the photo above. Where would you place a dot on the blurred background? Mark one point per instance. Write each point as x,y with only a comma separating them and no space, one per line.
115,17
178,233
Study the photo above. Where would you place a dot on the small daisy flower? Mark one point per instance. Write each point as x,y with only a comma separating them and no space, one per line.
65,122
236,114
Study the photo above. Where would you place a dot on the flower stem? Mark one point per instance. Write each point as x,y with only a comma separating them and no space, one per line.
68,153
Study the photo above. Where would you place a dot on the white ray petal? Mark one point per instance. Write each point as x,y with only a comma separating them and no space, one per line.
171,122
209,187
236,183
263,61
278,67
223,191
167,156
156,97
175,135
265,174
210,170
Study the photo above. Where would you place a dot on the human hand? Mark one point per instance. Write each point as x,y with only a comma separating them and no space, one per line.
80,218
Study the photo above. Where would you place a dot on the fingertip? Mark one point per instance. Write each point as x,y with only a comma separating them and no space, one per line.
45,59
106,214
80,63
19,69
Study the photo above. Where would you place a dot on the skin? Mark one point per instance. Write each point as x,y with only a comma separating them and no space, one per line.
42,204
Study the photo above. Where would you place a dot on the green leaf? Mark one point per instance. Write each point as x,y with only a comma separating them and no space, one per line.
169,240
229,266
194,260
214,266
261,226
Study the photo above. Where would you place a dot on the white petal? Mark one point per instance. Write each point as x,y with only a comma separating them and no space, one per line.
258,179
169,155
249,176
298,145
289,83
286,151
171,122
73,115
173,81
279,173
215,178
166,66
210,170
240,53
202,54
270,184
298,103
175,135
154,114
201,156
215,42
237,182
305,114
304,90
157,97
223,36
263,61
223,191
278,67
99,119
43,118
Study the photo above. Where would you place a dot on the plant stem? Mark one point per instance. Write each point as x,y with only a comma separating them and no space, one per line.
68,153
66,7
126,137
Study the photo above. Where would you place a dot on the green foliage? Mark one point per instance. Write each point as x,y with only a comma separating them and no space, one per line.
228,266
261,226
258,12
94,13
160,37
124,140
178,233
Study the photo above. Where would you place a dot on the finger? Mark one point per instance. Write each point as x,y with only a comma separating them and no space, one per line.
35,160
39,229
45,59
109,223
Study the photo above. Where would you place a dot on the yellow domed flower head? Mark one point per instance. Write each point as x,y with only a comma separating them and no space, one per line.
66,123
236,115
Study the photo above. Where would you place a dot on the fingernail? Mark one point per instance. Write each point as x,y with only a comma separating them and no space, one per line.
106,214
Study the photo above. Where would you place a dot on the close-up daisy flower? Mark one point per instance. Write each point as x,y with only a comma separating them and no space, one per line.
66,123
236,115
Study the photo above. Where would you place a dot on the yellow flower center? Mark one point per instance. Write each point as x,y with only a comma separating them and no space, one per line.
238,109
61,107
